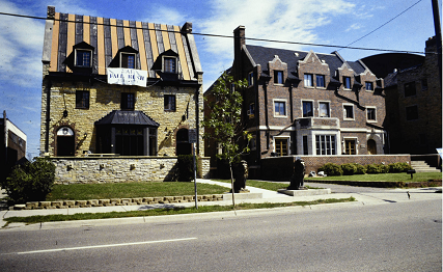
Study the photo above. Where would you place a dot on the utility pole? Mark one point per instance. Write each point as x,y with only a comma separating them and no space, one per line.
437,26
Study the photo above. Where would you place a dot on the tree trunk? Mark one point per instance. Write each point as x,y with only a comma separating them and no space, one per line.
232,185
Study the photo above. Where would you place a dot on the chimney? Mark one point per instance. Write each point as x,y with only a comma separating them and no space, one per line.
239,41
51,12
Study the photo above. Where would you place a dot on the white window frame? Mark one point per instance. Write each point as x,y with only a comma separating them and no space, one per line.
375,113
286,108
344,112
288,142
319,108
306,81
127,53
330,146
356,142
75,58
313,108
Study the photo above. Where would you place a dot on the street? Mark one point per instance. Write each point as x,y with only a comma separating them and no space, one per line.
403,236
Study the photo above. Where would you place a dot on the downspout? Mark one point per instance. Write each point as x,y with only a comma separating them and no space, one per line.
48,119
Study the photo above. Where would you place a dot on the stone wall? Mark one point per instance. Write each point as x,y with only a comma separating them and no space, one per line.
120,169
280,168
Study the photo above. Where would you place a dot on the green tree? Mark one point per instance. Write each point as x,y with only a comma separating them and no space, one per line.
224,124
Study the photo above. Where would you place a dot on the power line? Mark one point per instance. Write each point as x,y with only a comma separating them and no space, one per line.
398,15
230,37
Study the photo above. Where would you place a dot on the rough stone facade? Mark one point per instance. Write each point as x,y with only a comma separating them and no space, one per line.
120,169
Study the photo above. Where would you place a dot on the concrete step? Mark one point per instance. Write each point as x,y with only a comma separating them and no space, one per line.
422,166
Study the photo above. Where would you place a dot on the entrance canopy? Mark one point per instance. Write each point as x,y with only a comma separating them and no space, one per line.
119,117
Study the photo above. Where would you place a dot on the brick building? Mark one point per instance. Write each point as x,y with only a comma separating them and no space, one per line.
124,90
306,104
413,99
13,146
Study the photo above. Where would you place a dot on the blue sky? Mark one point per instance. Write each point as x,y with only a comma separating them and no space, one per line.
337,22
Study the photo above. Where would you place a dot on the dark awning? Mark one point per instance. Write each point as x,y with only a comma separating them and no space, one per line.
119,117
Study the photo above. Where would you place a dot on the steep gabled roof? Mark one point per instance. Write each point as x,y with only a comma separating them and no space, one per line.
262,55
107,37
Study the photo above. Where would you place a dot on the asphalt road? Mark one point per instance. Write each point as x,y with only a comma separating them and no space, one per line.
403,236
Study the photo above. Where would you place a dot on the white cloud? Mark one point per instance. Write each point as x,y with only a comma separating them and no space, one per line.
286,20
355,26
165,15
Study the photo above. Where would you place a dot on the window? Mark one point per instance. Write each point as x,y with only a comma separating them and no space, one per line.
324,109
349,111
305,145
251,110
169,65
280,108
325,145
83,58
308,80
278,77
410,89
371,114
129,140
128,101
320,81
169,102
424,84
347,82
369,86
82,99
127,60
250,79
411,113
307,109
281,147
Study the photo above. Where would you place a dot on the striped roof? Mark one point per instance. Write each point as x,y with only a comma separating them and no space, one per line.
108,36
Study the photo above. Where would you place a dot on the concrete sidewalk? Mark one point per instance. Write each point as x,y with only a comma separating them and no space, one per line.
364,197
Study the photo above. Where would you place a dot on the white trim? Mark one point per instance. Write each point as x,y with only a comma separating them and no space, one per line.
245,49
91,57
356,141
286,107
288,143
318,108
375,113
313,107
135,59
163,64
344,112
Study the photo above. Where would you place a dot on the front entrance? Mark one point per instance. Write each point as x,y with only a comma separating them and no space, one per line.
372,147
65,142
350,147
183,145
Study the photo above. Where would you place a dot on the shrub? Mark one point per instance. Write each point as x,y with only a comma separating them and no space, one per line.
349,168
360,169
31,181
186,167
399,167
377,168
331,169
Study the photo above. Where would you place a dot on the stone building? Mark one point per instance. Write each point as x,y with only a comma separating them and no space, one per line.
13,146
119,89
413,99
306,103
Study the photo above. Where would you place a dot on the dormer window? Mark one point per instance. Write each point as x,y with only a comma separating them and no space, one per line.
83,58
127,60
169,65
347,82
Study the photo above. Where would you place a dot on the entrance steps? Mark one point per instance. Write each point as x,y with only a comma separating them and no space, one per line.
422,166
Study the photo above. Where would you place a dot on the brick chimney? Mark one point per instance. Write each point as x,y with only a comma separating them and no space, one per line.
239,41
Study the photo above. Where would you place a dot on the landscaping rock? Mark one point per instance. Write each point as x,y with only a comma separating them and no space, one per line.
94,203
45,205
82,203
31,205
57,204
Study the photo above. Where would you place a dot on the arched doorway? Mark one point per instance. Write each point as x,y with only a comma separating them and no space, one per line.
372,147
183,145
65,142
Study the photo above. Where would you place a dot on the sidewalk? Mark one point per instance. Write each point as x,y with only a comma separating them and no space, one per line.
365,197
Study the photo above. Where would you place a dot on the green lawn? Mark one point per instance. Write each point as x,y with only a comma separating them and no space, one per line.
392,177
129,190
156,212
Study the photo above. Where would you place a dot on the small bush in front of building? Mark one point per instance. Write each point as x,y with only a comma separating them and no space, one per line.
377,168
399,167
360,169
186,167
331,169
32,181
349,168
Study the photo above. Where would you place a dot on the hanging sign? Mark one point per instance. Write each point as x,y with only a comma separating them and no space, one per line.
192,135
123,76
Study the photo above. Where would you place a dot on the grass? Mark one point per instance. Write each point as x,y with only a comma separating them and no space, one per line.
272,186
129,190
390,177
157,212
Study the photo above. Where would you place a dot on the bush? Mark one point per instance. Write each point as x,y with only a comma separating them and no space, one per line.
360,169
331,169
186,167
399,167
31,181
349,168
377,168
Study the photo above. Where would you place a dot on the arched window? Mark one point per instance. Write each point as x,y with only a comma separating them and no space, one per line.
183,145
65,142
